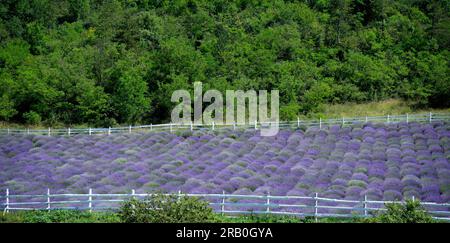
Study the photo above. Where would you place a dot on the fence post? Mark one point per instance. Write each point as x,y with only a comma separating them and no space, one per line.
316,203
192,126
90,200
298,121
388,118
90,131
133,192
268,202
222,208
109,130
365,205
170,127
367,119
407,118
68,131
256,125
28,130
48,199
430,117
8,130
49,131
179,195
234,125
320,122
7,201
129,129
413,198
151,126
213,125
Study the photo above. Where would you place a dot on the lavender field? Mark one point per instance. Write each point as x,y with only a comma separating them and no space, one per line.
382,161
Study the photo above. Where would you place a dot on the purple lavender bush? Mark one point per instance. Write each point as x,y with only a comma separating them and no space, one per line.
381,161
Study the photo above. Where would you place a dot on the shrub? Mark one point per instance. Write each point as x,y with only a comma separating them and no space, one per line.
160,208
361,170
410,212
59,216
298,170
32,118
184,133
357,183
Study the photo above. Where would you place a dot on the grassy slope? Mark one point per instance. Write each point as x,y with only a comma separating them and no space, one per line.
381,108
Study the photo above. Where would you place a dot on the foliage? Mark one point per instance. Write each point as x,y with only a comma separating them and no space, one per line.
118,61
58,216
32,118
410,212
73,216
161,208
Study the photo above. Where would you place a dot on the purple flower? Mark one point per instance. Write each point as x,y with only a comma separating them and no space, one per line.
360,176
379,160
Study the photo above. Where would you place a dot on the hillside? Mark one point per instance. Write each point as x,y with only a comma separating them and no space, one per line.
382,161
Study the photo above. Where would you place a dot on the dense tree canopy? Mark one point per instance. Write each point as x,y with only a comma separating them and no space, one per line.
118,61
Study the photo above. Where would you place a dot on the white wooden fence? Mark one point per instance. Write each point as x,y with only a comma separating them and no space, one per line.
225,204
422,118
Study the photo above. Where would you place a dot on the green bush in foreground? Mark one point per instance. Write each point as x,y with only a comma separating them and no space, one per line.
59,216
160,208
410,212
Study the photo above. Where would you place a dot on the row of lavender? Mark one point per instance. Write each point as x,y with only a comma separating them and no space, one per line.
382,161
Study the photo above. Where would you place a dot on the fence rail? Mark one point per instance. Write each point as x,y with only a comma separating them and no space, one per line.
423,118
225,204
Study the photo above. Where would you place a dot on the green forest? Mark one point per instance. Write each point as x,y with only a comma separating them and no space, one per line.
108,62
